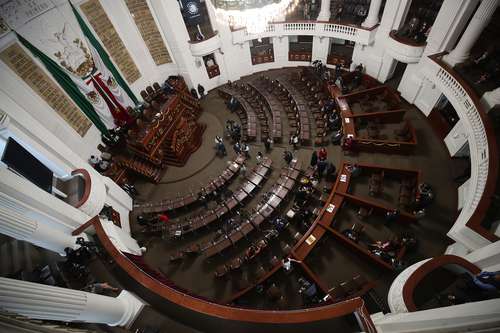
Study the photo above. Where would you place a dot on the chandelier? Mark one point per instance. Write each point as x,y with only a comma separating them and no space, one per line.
252,14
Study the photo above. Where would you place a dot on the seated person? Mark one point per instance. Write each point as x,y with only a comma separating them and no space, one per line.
252,252
307,288
287,263
387,250
392,215
279,223
100,288
364,212
487,281
354,233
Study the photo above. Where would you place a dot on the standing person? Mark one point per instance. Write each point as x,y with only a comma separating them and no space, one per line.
314,159
202,197
246,150
294,140
321,168
229,128
267,144
287,156
201,91
259,157
93,161
323,154
219,145
194,93
237,148
243,170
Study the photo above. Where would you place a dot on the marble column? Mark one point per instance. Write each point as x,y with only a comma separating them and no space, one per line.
490,99
16,222
324,13
479,21
372,18
44,302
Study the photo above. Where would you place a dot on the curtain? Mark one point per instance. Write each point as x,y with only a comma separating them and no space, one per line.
68,85
103,55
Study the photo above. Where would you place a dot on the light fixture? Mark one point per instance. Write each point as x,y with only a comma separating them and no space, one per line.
252,14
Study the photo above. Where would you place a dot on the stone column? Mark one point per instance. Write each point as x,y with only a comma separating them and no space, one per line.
16,222
324,12
479,21
44,302
373,12
490,99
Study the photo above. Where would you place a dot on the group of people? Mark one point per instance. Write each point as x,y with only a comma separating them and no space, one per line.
233,130
354,10
418,26
199,92
319,161
487,65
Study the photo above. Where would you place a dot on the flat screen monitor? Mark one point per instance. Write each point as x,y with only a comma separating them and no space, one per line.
21,161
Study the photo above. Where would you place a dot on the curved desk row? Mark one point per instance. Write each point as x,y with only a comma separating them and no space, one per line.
180,202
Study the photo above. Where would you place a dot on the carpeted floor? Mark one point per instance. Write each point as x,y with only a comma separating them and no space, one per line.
332,262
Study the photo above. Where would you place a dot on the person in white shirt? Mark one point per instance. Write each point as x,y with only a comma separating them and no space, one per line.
287,263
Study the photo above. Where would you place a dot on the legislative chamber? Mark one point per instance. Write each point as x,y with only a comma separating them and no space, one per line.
253,166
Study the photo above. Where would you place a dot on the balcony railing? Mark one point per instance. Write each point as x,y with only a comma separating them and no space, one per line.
353,33
483,152
403,49
203,47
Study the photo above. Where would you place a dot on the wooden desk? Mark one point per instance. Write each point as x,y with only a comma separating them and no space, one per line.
281,191
266,210
274,201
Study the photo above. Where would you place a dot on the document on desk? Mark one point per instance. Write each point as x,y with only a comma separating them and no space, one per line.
343,178
310,240
330,208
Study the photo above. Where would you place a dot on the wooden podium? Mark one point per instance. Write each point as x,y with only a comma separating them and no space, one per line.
169,137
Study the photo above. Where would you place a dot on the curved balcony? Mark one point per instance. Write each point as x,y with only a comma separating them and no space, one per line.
88,195
363,36
203,47
404,49
407,294
483,152
214,317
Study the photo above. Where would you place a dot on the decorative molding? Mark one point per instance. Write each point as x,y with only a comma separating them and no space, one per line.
103,27
149,31
23,65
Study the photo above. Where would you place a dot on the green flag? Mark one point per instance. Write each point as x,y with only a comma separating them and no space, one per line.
103,54
67,84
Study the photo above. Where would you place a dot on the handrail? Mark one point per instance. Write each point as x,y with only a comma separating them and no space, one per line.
403,40
428,267
350,32
218,312
483,147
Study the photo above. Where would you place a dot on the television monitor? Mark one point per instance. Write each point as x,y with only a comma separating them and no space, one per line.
21,161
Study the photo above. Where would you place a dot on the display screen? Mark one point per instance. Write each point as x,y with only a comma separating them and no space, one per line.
20,160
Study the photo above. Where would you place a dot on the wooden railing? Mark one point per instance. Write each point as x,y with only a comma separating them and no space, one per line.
212,316
427,268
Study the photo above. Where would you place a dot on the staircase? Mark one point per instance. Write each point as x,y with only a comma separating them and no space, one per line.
152,172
